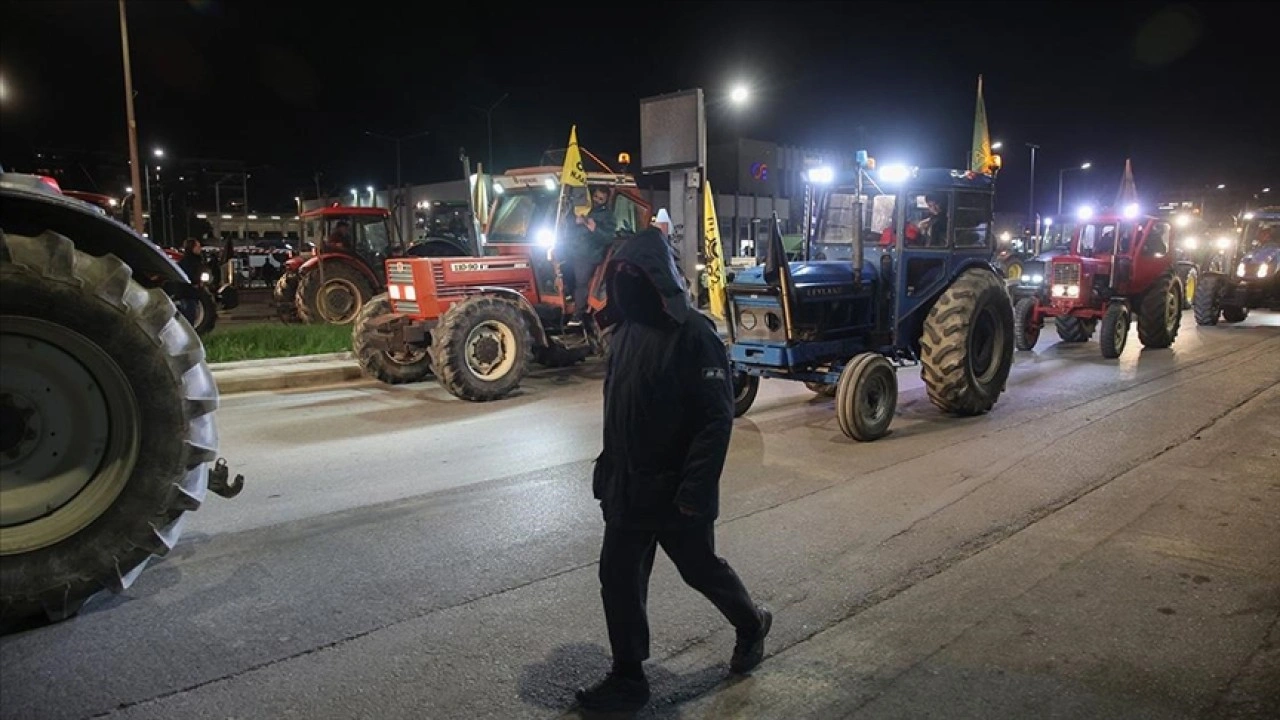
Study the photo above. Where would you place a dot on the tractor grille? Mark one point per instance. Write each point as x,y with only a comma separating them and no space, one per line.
1066,273
442,290
399,274
406,307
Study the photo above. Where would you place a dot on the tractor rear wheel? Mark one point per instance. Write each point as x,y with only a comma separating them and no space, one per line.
1073,329
482,348
967,346
206,311
1026,332
1206,303
1160,313
866,397
106,425
745,387
332,294
393,368
821,389
1115,330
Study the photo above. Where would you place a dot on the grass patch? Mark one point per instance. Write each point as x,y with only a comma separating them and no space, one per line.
273,340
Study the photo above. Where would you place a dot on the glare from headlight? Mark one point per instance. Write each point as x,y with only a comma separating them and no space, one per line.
1190,243
895,174
1262,270
546,238
205,277
1240,270
821,175
1073,291
1085,212
1222,243
1037,279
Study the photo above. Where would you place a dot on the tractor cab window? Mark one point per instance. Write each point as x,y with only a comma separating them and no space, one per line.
927,219
837,225
1098,239
1157,241
371,236
626,213
517,213
972,219
1262,232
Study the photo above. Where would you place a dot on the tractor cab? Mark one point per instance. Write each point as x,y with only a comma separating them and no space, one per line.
521,220
366,233
1112,254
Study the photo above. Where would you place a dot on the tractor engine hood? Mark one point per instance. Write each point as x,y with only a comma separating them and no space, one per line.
809,278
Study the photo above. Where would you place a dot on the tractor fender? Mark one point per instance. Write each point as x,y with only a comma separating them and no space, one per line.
438,247
526,308
314,261
30,210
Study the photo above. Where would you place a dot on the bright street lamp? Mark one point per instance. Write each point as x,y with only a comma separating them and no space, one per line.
739,94
158,152
1061,174
1222,186
997,145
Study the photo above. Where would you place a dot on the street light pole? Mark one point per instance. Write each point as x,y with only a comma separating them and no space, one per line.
1031,199
489,123
396,205
1061,174
130,118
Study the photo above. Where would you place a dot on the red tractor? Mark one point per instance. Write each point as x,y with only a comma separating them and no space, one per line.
333,284
477,322
1116,266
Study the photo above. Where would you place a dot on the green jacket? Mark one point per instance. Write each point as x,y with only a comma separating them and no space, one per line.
594,244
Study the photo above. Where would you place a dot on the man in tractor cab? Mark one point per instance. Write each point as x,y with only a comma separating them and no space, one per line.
591,242
935,225
340,239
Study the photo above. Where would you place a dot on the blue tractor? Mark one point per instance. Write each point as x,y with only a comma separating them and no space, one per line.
897,270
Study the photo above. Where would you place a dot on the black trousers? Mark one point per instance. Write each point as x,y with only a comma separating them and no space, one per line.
626,560
583,269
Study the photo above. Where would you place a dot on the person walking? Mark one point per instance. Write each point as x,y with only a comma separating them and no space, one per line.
668,416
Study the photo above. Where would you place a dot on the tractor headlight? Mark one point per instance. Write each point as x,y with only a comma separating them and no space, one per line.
546,238
1240,269
1222,243
1262,270
1190,243
1031,279
205,277
747,320
1066,291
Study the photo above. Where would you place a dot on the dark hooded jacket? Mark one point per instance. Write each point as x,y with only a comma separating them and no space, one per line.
668,397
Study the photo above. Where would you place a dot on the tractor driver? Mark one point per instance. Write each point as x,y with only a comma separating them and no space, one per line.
340,238
935,226
591,243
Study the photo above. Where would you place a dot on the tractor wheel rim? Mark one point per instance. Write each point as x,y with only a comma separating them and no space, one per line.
1172,305
199,315
491,350
339,301
1121,331
1191,287
1014,272
71,435
875,399
985,337
406,358
741,383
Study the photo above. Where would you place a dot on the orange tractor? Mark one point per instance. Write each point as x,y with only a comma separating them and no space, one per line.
477,322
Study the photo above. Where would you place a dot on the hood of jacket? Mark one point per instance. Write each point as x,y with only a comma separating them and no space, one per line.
642,281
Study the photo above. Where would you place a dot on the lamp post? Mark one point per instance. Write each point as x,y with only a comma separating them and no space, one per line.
488,113
1031,199
1061,174
399,186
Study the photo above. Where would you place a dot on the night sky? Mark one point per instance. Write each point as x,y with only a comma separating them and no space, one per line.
1185,89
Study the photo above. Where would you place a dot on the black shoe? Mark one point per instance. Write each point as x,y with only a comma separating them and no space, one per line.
615,694
750,648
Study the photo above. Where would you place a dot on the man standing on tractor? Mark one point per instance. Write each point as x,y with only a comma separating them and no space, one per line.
668,416
591,243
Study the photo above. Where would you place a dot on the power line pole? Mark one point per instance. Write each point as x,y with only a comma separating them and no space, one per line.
134,166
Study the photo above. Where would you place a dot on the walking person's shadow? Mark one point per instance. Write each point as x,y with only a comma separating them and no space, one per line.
551,683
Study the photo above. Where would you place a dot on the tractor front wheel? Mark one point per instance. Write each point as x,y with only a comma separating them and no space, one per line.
332,293
482,348
745,387
1160,313
866,397
1206,303
967,347
393,368
1026,331
1073,329
1115,330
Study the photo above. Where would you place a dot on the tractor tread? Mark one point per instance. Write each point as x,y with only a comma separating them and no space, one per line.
944,344
447,348
373,362
1153,331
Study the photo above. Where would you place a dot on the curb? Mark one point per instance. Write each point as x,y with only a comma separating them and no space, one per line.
294,373
284,361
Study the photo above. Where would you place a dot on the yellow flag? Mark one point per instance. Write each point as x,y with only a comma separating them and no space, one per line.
573,178
981,160
714,252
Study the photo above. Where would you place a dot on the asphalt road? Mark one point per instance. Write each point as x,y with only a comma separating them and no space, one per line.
402,554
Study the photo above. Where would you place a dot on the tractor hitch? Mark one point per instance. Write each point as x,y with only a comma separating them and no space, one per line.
219,483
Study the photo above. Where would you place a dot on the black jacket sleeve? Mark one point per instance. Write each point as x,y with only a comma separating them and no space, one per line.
709,393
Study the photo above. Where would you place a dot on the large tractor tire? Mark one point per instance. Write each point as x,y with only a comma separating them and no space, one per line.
1115,330
388,367
333,294
1026,333
482,348
1206,305
1074,329
206,313
967,347
1160,313
1234,313
107,425
745,387
286,298
866,397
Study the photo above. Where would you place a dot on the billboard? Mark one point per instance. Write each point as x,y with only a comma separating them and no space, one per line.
673,132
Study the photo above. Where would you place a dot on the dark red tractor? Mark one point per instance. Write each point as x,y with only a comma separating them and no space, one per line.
1118,267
